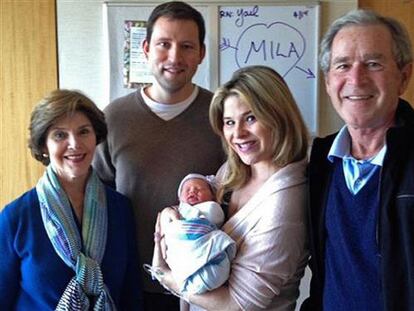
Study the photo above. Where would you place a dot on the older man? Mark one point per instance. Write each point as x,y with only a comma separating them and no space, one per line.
362,178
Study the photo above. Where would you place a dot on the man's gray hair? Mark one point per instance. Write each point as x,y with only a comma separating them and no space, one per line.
402,49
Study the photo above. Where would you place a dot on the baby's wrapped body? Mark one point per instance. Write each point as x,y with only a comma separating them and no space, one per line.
198,253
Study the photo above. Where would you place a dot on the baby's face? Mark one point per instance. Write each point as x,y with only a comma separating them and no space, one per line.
196,191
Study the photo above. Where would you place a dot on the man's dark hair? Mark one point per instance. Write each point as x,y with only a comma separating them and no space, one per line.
177,10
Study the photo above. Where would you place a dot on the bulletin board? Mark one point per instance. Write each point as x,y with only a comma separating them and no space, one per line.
280,35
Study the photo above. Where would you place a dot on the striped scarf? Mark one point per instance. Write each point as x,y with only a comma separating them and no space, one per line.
63,232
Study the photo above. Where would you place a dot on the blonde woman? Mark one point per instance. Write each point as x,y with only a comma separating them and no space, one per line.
263,188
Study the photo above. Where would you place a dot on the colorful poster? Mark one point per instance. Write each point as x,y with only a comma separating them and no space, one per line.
136,71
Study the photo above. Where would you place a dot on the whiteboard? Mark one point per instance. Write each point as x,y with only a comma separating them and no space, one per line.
282,36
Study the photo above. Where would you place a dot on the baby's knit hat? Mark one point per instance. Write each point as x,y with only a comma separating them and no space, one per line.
210,179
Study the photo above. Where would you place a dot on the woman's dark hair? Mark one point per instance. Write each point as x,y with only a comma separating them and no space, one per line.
58,104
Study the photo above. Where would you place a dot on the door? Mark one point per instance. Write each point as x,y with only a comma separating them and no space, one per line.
28,70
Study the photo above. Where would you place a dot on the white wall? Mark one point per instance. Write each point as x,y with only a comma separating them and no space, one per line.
82,53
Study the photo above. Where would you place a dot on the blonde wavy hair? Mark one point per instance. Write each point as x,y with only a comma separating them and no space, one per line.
270,100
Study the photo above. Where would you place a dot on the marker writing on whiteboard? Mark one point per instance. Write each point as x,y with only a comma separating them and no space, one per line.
243,13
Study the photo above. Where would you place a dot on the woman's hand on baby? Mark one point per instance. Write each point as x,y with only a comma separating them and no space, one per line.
169,214
159,267
159,255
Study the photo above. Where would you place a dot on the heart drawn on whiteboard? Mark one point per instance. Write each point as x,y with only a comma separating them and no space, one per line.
277,45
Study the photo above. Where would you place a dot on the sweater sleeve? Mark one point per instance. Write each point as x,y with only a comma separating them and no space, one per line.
272,256
103,165
9,261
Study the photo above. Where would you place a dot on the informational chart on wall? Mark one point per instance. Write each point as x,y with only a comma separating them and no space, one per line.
282,37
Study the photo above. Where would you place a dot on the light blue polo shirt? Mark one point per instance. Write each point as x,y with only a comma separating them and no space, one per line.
357,172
